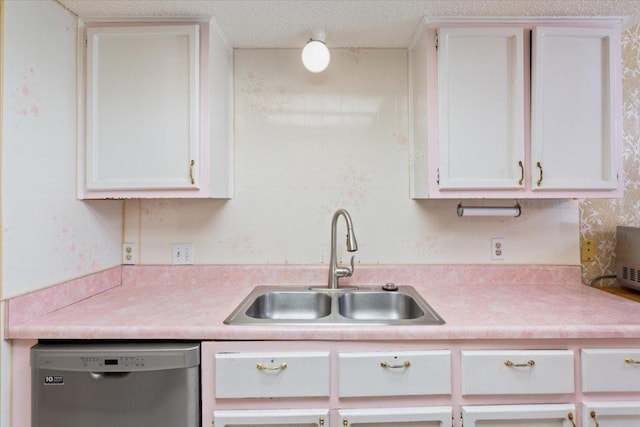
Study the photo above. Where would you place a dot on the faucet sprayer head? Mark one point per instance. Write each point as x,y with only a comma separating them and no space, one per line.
352,244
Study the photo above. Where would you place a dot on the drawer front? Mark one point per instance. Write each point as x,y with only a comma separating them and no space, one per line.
610,370
299,374
402,373
517,372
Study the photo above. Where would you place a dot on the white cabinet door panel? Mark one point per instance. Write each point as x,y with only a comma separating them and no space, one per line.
280,417
611,414
481,108
437,416
142,127
560,415
573,129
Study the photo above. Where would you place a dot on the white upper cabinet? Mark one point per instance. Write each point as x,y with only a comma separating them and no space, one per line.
142,107
146,125
573,133
516,109
481,107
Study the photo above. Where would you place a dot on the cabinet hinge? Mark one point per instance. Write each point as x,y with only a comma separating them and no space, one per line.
438,177
436,40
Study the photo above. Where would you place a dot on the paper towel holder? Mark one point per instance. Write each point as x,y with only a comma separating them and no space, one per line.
514,211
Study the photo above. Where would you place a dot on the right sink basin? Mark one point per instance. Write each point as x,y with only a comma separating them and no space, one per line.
295,305
379,305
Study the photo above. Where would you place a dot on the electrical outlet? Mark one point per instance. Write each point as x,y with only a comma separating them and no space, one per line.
588,250
497,248
129,253
182,253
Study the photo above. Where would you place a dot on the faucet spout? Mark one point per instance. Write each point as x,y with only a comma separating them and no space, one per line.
335,272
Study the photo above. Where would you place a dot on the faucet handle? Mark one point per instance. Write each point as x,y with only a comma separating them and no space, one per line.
353,267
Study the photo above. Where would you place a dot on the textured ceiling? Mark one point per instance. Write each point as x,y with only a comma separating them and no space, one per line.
348,23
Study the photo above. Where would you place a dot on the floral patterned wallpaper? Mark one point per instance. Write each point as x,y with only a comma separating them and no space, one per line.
599,217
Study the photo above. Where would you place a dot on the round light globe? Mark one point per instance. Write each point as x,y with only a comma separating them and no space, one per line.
316,56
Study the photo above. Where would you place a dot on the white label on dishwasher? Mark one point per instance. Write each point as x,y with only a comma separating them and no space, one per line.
53,380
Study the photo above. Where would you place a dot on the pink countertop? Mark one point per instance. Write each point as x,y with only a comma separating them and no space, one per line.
477,302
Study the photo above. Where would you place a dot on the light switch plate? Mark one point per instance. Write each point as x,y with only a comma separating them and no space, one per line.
182,254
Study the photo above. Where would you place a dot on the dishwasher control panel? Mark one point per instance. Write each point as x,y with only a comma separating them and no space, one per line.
114,361
115,358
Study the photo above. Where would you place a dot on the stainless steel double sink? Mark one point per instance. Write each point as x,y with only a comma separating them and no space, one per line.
297,305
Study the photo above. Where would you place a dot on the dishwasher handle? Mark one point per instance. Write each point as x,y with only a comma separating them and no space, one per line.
97,376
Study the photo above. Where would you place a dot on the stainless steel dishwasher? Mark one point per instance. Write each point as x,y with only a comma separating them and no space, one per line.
115,384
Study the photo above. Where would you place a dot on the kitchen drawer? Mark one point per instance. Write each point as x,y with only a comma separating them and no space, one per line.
295,374
394,374
610,370
517,372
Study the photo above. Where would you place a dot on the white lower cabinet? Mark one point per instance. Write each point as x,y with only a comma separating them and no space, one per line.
536,415
611,414
439,416
280,417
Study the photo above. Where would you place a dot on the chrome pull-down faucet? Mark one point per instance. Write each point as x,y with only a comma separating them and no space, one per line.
335,272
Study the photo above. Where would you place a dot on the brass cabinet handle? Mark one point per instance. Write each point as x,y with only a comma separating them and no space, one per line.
385,365
271,368
345,422
594,417
521,173
191,166
632,361
540,180
570,417
528,364
321,422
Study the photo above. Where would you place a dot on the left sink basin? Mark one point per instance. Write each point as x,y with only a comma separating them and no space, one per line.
290,306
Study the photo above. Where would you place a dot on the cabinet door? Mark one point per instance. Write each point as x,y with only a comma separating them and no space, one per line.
611,414
280,417
481,108
561,415
142,107
573,123
403,417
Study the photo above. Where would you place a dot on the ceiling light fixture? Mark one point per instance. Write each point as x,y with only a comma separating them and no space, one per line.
315,54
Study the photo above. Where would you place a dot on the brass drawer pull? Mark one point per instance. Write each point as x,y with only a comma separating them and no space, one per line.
385,365
321,422
594,417
521,173
345,422
540,180
632,361
570,417
510,364
191,166
271,368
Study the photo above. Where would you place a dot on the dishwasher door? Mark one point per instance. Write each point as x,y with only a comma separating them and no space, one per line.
107,385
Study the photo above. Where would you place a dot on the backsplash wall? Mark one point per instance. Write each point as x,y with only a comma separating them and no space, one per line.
599,218
306,145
